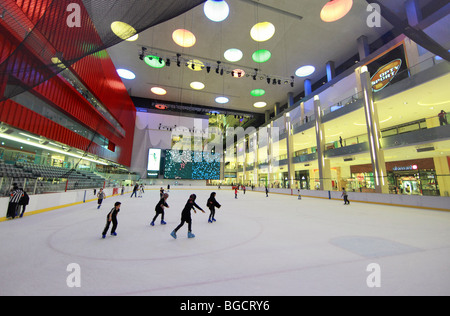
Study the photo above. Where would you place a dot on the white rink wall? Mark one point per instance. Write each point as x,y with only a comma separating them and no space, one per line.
52,201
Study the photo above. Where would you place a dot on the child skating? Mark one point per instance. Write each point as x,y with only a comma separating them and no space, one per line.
345,195
235,192
101,196
186,216
112,217
212,204
159,209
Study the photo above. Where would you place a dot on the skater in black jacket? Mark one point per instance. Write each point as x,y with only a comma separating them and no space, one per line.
159,209
212,204
112,217
186,216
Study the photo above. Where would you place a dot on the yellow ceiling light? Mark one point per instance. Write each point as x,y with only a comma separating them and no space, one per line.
262,32
195,65
158,91
184,38
124,31
260,104
196,85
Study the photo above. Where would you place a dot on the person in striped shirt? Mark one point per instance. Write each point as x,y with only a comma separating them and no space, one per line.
14,198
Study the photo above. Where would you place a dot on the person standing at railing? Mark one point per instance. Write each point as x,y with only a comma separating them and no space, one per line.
443,118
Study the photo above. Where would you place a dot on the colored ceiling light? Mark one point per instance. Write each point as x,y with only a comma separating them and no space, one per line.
195,65
161,106
216,10
233,55
238,73
305,71
158,91
154,61
261,56
126,74
222,100
258,92
184,38
260,104
124,31
262,32
197,85
335,10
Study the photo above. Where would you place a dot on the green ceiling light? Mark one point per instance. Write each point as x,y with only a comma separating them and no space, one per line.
154,61
261,56
262,32
258,92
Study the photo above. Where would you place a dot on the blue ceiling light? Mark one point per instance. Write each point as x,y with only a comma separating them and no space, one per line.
216,10
126,74
305,71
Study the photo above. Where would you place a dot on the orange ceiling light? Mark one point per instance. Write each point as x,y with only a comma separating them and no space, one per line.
184,38
335,10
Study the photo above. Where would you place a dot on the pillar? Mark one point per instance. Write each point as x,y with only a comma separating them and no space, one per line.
290,101
374,134
290,150
442,166
267,116
331,70
277,108
363,47
324,164
308,87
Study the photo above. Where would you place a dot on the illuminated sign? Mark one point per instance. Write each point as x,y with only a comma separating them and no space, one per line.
385,74
154,159
405,168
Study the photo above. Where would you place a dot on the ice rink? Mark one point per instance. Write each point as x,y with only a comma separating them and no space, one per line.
275,246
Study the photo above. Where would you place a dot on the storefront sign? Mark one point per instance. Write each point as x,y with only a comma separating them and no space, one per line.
385,74
405,168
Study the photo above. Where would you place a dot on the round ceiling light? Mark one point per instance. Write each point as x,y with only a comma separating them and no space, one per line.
261,56
222,100
197,85
158,91
216,10
124,31
184,38
305,71
262,32
260,105
335,10
154,61
238,73
126,74
258,92
161,106
233,55
195,65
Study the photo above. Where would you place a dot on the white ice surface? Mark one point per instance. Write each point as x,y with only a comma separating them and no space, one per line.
259,246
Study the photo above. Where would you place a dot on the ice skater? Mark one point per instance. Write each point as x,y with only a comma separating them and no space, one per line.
112,217
186,216
161,193
212,204
345,195
267,191
299,195
235,192
159,209
101,196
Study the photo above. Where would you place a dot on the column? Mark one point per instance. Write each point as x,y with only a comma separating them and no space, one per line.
442,166
331,70
290,99
267,116
308,87
324,164
277,108
363,47
414,16
290,150
255,158
302,112
373,131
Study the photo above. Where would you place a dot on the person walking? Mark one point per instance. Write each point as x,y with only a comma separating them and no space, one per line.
443,118
101,196
24,200
212,204
186,216
345,195
112,217
159,209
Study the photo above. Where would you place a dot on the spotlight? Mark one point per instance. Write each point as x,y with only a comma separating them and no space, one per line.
268,80
232,74
279,81
193,66
221,72
168,62
178,60
208,69
274,81
142,54
160,60
254,77
292,84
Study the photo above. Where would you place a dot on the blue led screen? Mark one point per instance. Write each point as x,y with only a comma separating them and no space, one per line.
188,164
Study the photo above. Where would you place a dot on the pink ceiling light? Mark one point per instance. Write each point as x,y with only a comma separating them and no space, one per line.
335,10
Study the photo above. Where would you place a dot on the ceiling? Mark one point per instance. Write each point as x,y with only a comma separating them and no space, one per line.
297,42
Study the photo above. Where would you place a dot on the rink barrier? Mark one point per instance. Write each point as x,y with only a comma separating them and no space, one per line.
42,203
